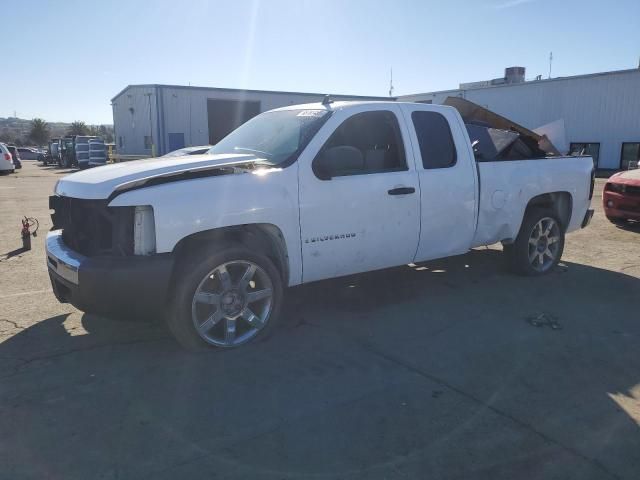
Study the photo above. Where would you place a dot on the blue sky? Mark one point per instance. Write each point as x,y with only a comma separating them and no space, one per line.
64,61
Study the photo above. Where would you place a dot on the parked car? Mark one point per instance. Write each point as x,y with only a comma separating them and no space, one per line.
97,152
621,197
27,153
300,194
189,151
6,160
15,155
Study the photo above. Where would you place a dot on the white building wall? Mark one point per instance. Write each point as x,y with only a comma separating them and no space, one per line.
131,120
184,110
600,108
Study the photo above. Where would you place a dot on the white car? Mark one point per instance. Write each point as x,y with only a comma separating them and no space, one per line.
6,161
300,194
27,153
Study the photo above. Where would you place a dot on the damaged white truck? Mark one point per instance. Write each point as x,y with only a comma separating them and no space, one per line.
306,193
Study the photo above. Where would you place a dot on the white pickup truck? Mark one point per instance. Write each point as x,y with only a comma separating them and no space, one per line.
300,194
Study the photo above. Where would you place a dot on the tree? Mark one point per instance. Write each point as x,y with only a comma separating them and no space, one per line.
106,133
78,128
39,133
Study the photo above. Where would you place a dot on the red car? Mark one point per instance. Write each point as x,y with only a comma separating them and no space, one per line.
621,196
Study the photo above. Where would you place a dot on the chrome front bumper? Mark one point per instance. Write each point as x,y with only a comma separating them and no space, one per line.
61,259
121,287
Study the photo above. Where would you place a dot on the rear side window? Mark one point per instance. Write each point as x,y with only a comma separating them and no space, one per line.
434,137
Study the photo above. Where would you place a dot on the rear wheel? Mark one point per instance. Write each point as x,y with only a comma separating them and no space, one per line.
539,244
225,298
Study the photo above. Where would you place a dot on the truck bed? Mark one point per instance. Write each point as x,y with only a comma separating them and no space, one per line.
506,187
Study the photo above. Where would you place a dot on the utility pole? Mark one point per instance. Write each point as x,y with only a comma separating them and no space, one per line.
550,62
391,83
153,147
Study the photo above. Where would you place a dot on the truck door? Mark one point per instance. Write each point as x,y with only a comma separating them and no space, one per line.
359,194
448,180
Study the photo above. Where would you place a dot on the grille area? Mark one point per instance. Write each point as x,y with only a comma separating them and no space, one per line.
92,228
623,188
633,190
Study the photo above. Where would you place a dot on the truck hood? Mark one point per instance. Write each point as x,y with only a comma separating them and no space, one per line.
102,182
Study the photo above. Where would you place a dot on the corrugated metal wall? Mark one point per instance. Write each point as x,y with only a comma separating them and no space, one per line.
131,120
602,108
183,110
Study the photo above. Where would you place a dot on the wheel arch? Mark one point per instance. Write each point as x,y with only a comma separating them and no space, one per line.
560,202
261,237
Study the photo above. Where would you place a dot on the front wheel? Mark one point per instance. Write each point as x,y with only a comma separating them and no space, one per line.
225,298
620,222
539,244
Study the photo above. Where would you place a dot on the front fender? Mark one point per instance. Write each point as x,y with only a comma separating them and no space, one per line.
183,208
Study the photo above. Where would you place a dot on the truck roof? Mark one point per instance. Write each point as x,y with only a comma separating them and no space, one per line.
342,105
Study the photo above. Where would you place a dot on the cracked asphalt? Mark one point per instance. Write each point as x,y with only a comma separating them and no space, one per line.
429,371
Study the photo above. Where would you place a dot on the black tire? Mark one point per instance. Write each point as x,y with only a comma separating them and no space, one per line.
195,268
518,253
621,222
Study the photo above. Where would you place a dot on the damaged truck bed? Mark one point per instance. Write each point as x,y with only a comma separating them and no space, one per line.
497,138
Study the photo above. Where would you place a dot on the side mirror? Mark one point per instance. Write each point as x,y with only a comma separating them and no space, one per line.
338,161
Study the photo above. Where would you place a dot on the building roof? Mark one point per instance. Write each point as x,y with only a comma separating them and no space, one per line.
242,90
544,80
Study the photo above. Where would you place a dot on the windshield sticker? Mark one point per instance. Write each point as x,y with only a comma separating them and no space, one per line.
310,113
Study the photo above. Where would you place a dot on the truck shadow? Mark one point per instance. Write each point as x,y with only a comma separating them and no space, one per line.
370,375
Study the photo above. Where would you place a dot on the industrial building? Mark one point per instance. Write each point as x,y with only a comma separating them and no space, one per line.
157,119
597,113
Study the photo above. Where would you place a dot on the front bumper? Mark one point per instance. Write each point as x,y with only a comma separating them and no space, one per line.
620,205
132,286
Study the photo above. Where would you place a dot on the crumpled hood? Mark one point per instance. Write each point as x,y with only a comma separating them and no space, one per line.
101,182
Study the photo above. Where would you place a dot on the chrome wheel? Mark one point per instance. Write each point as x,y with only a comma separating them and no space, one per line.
544,244
232,303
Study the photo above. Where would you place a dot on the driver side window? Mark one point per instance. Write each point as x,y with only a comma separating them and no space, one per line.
368,142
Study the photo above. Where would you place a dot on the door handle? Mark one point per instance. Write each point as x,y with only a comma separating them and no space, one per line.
401,191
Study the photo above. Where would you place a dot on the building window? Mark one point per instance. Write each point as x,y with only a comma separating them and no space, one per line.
590,149
630,153
120,141
148,142
434,137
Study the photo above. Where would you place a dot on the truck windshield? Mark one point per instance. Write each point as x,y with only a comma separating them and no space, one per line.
276,137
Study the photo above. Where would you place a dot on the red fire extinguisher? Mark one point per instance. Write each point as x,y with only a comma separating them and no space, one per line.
27,223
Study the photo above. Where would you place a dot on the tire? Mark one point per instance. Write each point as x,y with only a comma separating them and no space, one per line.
537,251
621,222
222,308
